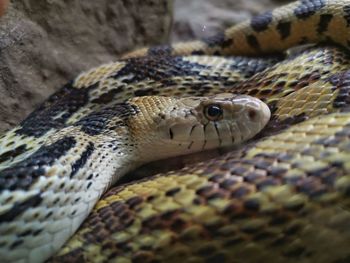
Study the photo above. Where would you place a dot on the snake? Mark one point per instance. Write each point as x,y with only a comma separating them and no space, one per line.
280,195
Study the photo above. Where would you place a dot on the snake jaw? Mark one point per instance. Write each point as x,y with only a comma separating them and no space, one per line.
186,127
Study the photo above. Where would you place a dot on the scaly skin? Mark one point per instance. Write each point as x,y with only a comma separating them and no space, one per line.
45,194
282,198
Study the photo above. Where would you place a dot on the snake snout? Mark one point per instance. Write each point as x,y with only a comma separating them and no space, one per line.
253,118
258,113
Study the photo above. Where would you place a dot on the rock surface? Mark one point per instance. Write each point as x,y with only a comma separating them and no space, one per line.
44,43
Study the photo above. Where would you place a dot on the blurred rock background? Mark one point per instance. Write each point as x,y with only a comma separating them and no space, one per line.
44,43
203,18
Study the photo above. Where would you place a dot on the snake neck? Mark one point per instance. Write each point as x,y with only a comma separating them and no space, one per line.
80,166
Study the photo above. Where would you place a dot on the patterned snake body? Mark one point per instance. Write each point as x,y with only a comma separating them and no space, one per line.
281,198
45,196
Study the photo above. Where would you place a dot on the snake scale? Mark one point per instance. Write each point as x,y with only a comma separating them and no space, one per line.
283,197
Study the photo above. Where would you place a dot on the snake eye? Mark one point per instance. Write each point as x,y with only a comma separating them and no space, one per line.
213,112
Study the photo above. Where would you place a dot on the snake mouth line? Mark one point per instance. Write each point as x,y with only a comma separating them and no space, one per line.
218,133
171,134
219,136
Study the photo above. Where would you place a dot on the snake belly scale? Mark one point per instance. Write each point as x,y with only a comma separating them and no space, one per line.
281,198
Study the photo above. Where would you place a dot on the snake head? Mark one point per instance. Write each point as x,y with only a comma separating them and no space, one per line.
192,124
221,120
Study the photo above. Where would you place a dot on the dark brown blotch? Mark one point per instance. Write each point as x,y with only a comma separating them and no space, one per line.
261,22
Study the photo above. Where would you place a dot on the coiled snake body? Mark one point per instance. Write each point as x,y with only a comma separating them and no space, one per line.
281,198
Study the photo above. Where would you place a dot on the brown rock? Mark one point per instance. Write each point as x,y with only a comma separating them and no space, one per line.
44,43
3,6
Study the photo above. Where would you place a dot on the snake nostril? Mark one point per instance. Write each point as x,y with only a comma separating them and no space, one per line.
252,114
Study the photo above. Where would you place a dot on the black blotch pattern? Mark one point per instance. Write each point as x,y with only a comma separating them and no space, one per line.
346,10
16,244
250,66
218,40
275,126
163,68
325,19
133,202
252,204
23,174
157,68
283,29
261,22
162,50
146,92
82,160
67,100
173,191
341,81
19,207
108,96
96,122
253,41
198,52
220,257
303,41
307,8
13,153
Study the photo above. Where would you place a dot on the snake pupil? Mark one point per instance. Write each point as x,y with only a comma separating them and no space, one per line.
213,112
